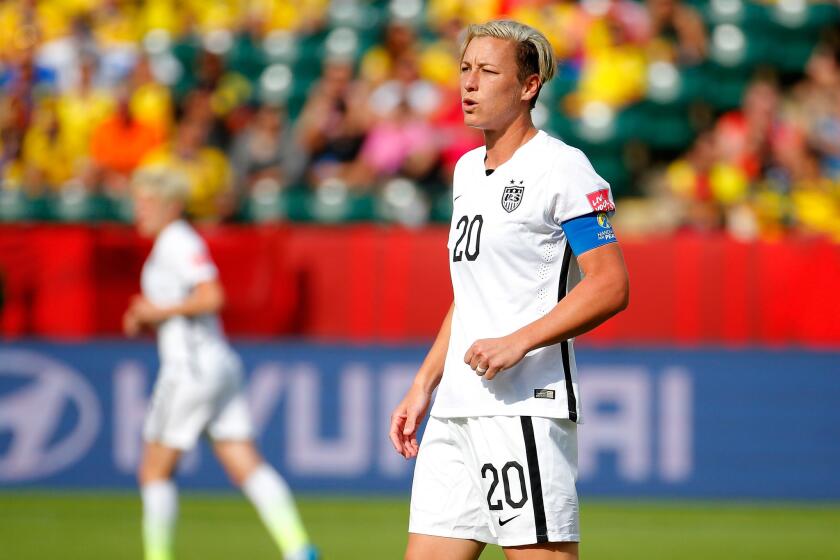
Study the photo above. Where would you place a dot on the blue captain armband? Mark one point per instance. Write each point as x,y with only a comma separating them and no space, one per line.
588,232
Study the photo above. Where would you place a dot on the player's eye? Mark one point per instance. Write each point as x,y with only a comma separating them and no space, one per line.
464,68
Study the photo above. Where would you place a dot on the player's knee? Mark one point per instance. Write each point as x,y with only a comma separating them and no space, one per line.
150,476
239,459
240,472
418,550
237,472
236,476
149,473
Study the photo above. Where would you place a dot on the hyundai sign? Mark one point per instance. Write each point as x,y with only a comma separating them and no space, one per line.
708,423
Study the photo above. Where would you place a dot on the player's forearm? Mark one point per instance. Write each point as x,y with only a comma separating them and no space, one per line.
431,371
208,298
594,300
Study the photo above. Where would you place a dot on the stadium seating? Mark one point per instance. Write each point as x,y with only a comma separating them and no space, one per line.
281,65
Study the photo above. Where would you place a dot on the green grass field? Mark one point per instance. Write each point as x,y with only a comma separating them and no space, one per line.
93,526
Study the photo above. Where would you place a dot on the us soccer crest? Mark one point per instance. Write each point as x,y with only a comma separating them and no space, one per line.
512,195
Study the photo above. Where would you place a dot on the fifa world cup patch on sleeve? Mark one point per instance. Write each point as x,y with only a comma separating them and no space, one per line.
600,201
606,234
544,394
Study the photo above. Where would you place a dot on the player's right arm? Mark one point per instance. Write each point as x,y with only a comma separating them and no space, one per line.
408,415
206,298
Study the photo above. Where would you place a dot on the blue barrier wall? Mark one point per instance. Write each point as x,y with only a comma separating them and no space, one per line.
706,423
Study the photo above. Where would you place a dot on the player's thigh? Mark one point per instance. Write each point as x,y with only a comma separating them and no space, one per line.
182,405
527,468
425,547
158,462
446,497
231,420
543,551
239,458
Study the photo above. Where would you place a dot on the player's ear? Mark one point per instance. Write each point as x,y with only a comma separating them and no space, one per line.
530,87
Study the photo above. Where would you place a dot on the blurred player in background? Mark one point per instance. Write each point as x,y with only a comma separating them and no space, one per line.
534,263
198,389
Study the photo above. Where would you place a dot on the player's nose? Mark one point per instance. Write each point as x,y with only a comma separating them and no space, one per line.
470,81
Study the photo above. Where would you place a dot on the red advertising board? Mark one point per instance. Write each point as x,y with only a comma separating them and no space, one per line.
389,284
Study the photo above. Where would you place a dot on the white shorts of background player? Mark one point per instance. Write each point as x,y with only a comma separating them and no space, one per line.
201,396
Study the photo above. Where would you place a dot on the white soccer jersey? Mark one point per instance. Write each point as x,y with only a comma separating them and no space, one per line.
510,263
178,262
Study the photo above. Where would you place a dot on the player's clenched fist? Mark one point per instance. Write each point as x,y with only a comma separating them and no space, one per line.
489,356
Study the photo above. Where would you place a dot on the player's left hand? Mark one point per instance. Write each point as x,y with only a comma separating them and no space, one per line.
489,356
146,312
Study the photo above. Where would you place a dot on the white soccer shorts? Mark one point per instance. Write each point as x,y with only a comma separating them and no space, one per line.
505,480
190,401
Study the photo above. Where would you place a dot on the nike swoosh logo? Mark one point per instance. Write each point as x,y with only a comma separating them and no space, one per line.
457,197
506,521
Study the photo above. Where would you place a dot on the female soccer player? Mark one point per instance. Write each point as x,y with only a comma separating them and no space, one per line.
198,389
534,263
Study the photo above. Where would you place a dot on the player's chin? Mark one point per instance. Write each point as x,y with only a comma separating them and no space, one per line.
471,119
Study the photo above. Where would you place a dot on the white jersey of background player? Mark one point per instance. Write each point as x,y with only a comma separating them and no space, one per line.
534,263
198,389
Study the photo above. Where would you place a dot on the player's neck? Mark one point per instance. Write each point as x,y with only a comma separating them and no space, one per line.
166,223
502,144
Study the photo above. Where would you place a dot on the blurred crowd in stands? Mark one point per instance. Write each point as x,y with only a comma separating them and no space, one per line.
771,165
272,95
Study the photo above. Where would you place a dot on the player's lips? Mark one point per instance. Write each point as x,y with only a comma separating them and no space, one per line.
467,103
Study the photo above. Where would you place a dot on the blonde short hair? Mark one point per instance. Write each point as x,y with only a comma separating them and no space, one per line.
534,54
163,181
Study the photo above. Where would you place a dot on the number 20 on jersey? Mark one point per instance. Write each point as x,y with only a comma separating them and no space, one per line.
470,236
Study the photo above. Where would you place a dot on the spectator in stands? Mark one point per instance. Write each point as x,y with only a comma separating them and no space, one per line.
199,105
211,195
203,69
216,97
612,69
716,180
151,101
401,141
816,106
11,168
120,143
745,136
379,63
438,60
794,174
63,64
82,107
117,34
334,121
680,28
23,78
69,49
49,160
761,171
266,153
692,180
